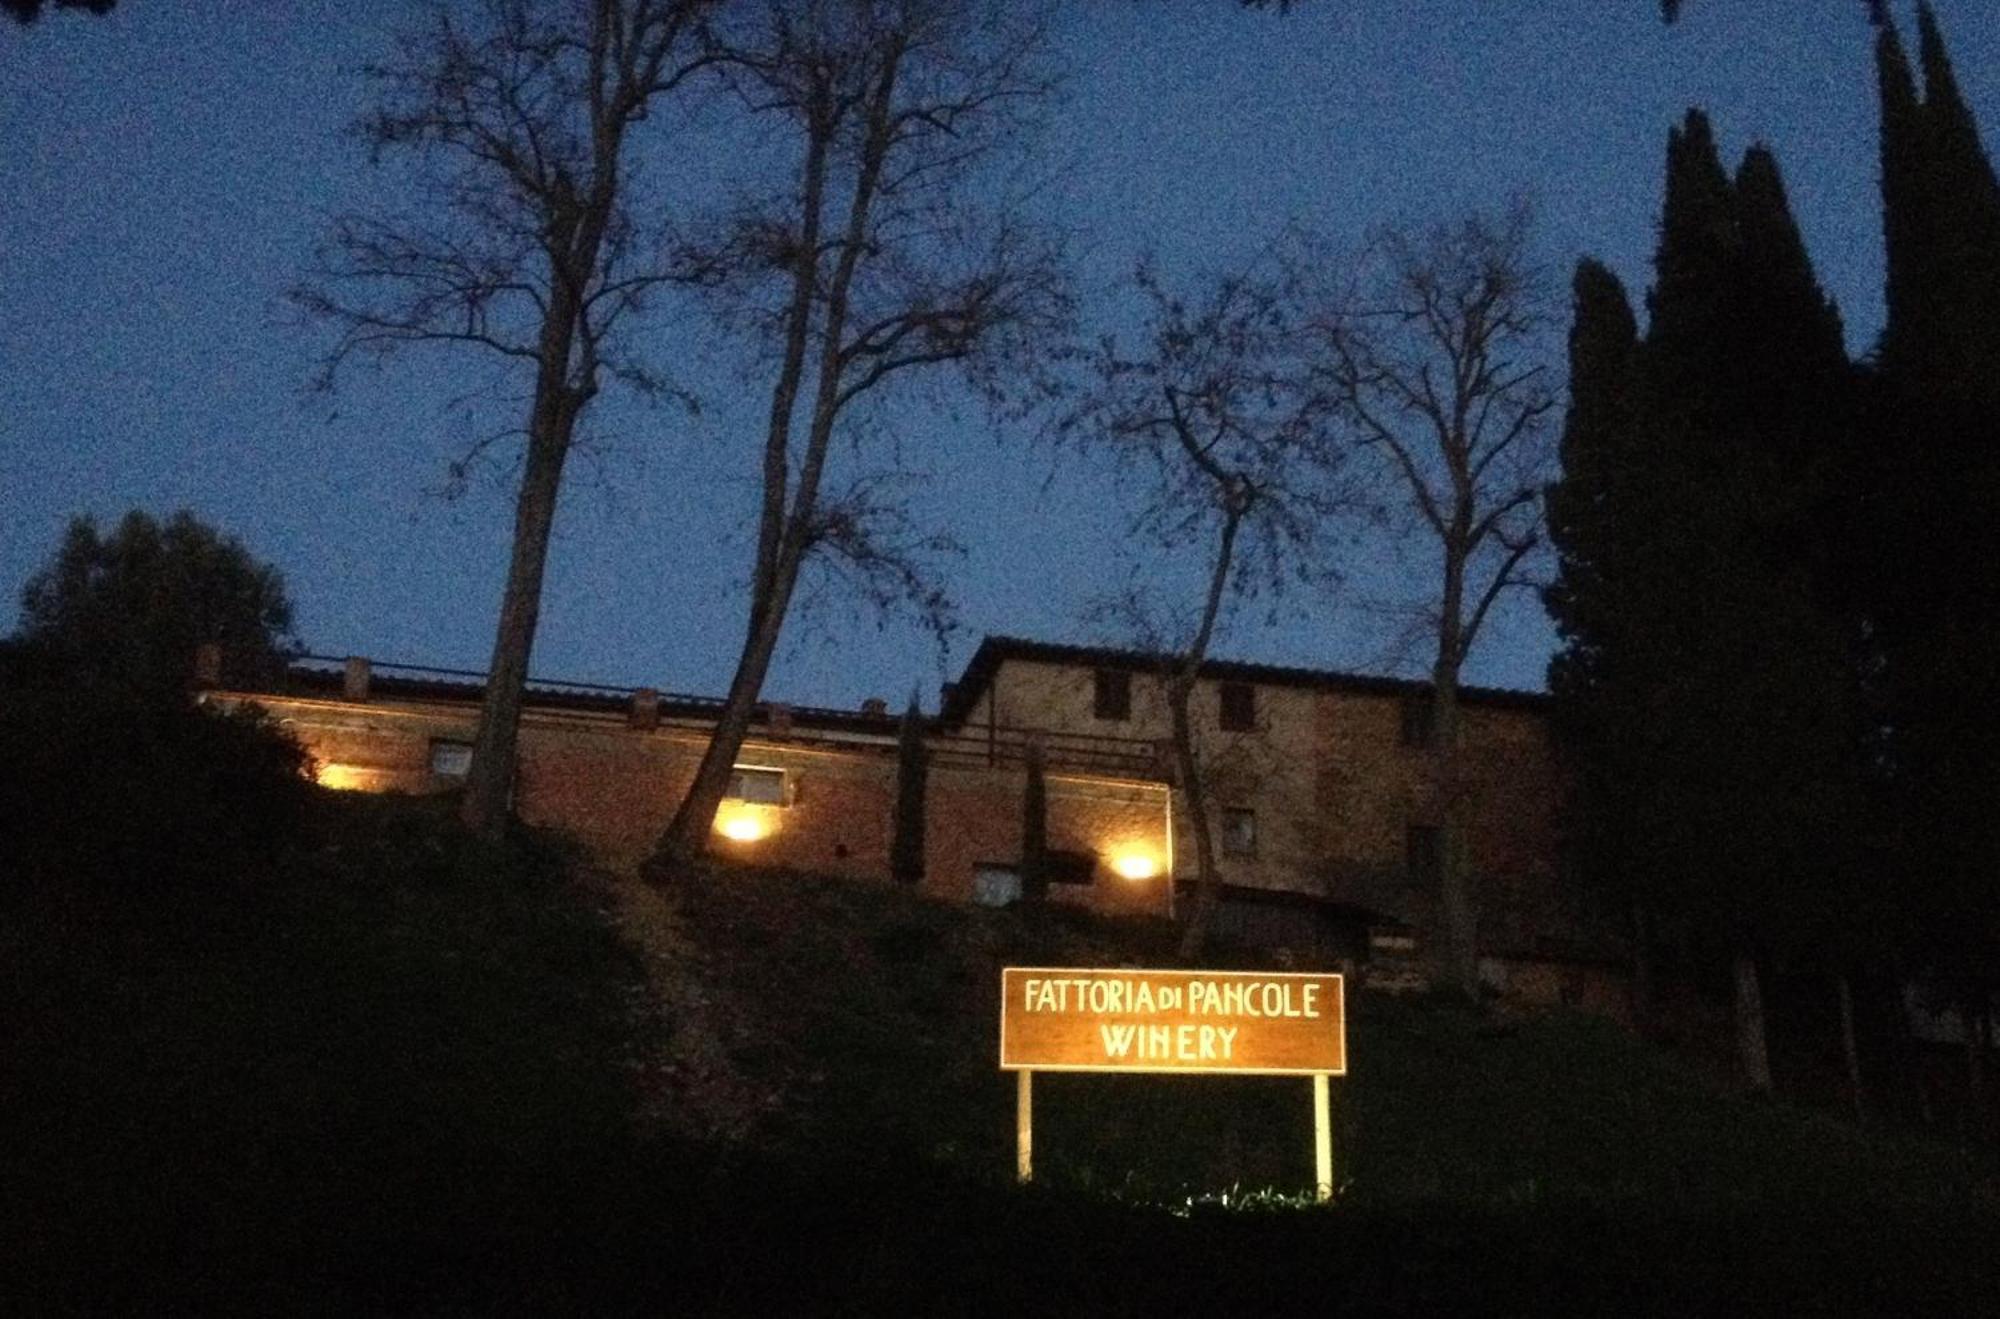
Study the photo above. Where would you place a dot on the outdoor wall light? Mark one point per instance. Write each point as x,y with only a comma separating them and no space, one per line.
1136,865
743,824
346,778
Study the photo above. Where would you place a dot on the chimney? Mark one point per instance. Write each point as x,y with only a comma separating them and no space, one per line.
354,679
644,713
779,719
946,695
875,708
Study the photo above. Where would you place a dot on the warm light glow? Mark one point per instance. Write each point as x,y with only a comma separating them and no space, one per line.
347,778
1136,865
745,823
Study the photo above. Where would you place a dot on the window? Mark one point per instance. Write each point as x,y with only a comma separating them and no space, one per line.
1113,697
995,885
1417,719
450,759
1239,831
1239,707
1423,852
751,783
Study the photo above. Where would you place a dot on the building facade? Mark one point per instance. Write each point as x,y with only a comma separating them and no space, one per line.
1325,800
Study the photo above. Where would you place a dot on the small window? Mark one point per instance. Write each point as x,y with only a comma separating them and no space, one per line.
766,787
1417,719
995,885
1239,831
1113,697
450,759
1239,707
1423,849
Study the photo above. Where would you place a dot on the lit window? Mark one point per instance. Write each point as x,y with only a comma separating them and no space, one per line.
1239,707
1239,831
765,787
450,759
1112,698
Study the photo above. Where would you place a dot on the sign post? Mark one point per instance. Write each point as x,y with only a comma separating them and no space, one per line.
1024,1125
1322,1140
1243,1023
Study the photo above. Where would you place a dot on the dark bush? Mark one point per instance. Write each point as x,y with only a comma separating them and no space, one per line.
106,787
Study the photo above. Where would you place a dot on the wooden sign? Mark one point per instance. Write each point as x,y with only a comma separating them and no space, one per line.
1254,1023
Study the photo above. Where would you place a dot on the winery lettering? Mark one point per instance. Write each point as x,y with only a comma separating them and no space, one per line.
1171,1021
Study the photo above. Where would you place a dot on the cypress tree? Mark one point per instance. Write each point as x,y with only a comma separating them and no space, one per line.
1937,535
1600,536
906,845
1700,690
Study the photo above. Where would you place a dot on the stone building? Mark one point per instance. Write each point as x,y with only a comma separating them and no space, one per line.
1324,796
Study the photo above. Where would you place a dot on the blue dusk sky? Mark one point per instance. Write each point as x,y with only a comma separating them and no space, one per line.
168,170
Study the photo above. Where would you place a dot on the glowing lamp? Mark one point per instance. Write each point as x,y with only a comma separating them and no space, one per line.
742,826
1135,865
346,778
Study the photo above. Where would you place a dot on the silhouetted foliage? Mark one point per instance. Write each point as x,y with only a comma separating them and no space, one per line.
1931,527
128,609
1705,695
109,773
106,786
27,11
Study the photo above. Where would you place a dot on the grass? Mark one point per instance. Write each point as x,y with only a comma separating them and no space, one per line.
395,1071
379,1037
874,1012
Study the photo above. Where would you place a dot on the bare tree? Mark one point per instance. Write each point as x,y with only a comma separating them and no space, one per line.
525,244
1436,345
1216,407
876,267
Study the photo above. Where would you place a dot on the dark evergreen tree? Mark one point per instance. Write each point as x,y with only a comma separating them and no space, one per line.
1600,540
1935,534
906,845
1702,692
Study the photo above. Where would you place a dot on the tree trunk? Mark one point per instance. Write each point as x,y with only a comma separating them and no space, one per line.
1208,883
1851,1050
1751,1050
1455,882
490,779
686,836
1236,499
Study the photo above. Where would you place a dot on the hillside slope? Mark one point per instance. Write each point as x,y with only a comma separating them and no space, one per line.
865,1019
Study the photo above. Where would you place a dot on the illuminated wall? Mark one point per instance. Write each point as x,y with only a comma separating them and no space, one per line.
614,787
